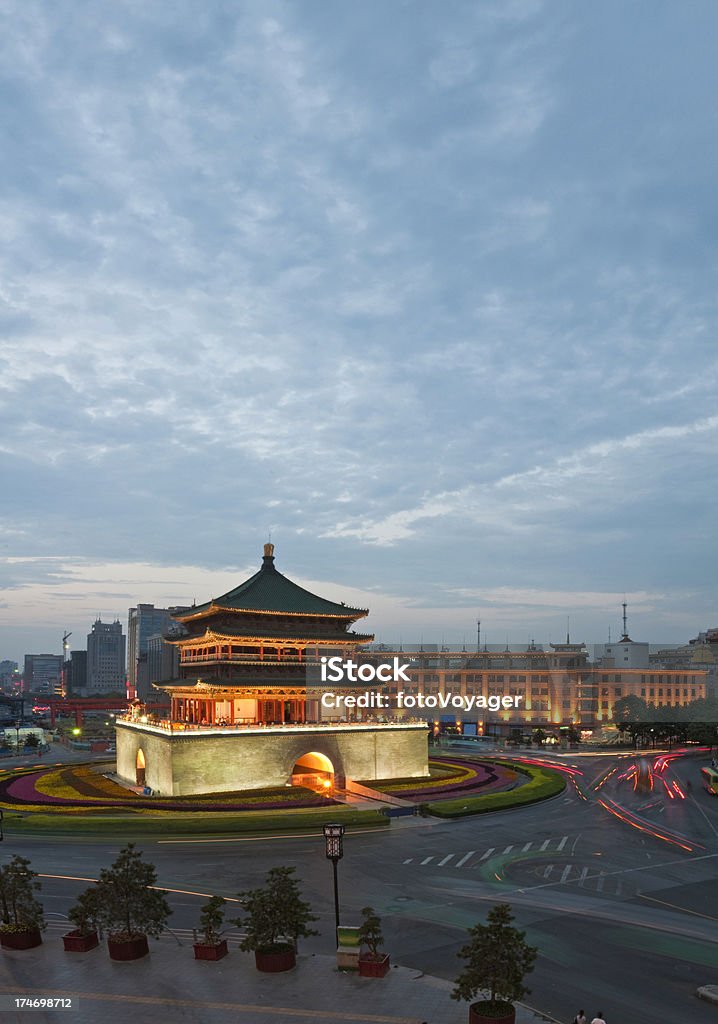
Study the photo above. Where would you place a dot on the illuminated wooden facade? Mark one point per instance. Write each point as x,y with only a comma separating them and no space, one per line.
244,656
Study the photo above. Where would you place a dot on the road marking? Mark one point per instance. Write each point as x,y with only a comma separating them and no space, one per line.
548,870
426,860
508,849
562,844
675,906
408,860
543,845
601,881
488,853
460,863
566,873
619,871
584,872
445,860
527,847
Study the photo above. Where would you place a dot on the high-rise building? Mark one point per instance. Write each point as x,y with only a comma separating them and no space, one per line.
42,673
76,674
143,622
106,658
9,674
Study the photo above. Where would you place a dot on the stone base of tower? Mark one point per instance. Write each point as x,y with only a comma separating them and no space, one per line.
222,760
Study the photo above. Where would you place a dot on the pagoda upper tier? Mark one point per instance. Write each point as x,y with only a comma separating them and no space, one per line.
266,621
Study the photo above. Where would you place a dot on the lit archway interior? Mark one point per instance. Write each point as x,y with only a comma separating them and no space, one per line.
140,767
314,770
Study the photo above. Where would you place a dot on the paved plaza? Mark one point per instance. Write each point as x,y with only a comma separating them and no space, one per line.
170,986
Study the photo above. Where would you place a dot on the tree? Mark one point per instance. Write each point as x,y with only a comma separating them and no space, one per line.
497,960
32,741
85,912
128,905
211,919
277,915
538,737
20,910
370,932
629,710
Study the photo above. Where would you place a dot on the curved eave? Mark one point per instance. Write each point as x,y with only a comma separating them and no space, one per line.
210,636
352,614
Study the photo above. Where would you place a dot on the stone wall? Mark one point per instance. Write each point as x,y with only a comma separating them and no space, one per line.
183,764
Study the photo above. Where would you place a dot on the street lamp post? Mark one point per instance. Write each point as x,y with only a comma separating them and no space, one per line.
333,837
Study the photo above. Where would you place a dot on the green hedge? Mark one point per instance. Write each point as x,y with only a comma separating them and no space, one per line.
543,784
190,823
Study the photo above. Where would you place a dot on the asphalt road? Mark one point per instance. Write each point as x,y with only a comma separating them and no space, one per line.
624,921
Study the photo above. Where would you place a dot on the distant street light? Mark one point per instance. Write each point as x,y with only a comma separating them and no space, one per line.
333,838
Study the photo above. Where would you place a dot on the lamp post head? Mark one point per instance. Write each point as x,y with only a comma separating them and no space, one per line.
333,838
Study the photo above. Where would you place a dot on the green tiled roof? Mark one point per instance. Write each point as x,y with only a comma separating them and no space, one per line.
269,591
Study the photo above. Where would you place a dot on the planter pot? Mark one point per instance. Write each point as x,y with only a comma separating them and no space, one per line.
272,962
79,942
210,951
479,1013
371,967
27,939
128,949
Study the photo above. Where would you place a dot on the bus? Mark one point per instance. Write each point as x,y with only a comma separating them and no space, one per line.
710,780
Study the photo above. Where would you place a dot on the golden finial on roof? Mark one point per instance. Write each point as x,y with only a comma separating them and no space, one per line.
269,550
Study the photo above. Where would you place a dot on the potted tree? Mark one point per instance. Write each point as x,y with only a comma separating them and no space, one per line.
277,917
372,963
211,945
83,914
22,920
497,960
129,906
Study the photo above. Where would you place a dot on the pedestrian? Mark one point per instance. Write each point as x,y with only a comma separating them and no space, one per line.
599,1019
580,1018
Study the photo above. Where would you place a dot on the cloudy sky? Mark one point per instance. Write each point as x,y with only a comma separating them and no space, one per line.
426,290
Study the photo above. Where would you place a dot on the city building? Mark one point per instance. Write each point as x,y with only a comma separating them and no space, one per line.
242,714
106,659
557,686
143,622
9,674
76,674
42,673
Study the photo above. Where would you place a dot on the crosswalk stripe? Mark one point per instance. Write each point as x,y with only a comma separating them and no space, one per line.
566,873
508,849
600,882
467,856
527,847
488,853
562,844
584,872
543,845
408,860
426,860
548,870
446,858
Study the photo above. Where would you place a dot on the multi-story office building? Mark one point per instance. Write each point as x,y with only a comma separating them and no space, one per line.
143,622
557,686
76,674
106,658
9,674
42,673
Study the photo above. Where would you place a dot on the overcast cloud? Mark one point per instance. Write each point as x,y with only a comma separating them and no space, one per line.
429,291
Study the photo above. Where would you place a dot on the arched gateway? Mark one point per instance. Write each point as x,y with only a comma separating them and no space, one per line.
313,770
